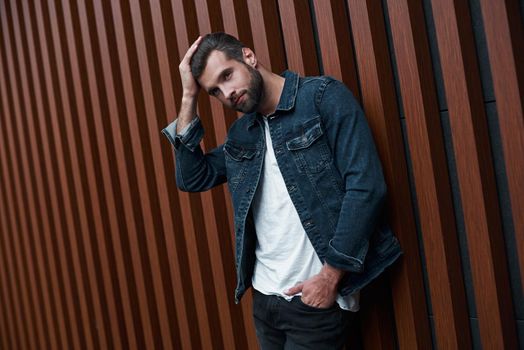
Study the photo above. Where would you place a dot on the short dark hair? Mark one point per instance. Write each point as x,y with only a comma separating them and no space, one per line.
223,42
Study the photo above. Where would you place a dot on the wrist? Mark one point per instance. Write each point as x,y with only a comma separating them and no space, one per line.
189,97
332,273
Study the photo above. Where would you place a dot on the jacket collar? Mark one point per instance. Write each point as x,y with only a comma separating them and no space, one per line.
288,96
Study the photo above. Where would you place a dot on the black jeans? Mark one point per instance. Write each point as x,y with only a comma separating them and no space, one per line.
282,324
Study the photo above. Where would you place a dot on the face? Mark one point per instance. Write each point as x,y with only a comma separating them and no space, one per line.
236,84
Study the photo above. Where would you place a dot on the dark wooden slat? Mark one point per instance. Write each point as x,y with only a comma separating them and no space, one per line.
475,173
8,225
301,54
267,37
430,171
48,196
39,250
17,158
80,243
27,239
95,41
379,102
134,179
503,27
95,246
7,335
338,59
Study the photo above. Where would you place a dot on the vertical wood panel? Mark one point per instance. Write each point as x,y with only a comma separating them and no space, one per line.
98,253
504,35
338,59
98,248
18,242
35,316
380,104
431,175
475,173
297,29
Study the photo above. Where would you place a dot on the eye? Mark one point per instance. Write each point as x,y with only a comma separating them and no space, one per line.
213,92
227,76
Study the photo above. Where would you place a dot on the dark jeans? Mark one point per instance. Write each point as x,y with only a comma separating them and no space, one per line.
282,324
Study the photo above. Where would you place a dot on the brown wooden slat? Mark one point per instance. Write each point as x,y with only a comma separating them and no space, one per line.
103,105
38,249
336,49
9,286
147,103
70,260
475,173
41,139
17,157
299,43
81,244
503,27
267,37
430,171
132,176
6,322
9,299
379,102
25,157
6,332
96,246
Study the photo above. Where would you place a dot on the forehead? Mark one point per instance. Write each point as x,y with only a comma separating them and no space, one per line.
216,63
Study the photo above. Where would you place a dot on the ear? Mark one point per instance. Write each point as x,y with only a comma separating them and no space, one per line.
249,57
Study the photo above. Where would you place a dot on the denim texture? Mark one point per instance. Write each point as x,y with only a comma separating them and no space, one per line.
327,157
293,325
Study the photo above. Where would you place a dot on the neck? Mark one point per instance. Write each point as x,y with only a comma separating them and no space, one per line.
273,86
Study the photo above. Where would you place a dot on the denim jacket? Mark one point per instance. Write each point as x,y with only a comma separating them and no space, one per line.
327,157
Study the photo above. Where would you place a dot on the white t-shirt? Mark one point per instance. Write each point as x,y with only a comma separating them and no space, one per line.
284,253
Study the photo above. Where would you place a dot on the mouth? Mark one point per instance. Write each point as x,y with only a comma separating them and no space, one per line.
237,100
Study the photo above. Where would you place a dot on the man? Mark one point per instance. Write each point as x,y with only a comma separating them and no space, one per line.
306,185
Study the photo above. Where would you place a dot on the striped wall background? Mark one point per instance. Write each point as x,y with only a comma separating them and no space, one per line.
98,249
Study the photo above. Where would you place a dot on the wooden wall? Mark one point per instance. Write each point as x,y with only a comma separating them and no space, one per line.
99,250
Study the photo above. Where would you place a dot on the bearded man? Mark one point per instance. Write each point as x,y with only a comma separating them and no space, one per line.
306,185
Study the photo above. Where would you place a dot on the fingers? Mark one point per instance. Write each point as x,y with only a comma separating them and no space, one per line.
294,290
191,51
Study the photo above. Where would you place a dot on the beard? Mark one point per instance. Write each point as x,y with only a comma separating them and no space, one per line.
253,94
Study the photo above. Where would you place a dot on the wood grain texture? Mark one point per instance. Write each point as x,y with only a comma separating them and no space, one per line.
380,104
475,174
426,143
504,36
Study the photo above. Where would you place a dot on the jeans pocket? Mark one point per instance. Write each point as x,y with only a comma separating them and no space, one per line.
314,308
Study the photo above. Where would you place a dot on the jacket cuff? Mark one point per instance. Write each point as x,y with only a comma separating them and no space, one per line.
190,136
338,259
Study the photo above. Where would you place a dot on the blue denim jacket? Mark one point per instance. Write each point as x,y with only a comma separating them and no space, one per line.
327,157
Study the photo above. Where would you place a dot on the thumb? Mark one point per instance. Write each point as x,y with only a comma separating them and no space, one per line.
294,290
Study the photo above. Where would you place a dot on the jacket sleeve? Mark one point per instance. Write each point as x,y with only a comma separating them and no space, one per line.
195,171
357,161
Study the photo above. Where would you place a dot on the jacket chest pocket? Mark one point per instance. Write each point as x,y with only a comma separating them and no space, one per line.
237,159
310,150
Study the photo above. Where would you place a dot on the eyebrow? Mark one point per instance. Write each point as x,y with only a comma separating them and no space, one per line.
220,77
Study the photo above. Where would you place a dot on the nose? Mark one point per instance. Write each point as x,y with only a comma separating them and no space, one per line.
229,93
